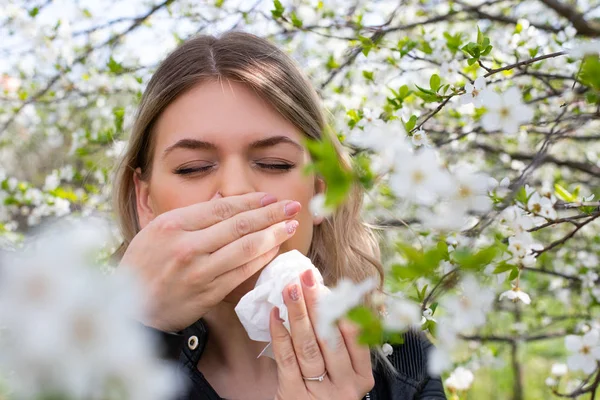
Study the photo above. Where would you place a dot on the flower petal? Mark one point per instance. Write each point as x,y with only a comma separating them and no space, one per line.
573,343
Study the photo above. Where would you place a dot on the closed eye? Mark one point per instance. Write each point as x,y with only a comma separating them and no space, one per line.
191,170
276,166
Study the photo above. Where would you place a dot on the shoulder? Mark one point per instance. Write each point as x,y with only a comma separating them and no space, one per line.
410,361
410,358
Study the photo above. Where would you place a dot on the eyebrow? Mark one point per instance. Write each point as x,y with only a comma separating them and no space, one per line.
195,144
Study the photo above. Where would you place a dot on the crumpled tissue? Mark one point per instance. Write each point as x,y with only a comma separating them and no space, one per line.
254,308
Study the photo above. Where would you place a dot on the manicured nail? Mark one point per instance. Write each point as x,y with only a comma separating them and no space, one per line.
291,226
267,199
294,292
278,314
308,277
292,208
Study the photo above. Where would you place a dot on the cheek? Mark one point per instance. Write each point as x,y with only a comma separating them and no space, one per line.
169,192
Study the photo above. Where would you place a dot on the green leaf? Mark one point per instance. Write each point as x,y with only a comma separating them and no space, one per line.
325,162
114,66
503,267
475,261
425,90
434,82
590,72
368,75
331,63
277,12
119,115
34,12
514,274
367,44
297,22
371,328
410,124
564,194
480,37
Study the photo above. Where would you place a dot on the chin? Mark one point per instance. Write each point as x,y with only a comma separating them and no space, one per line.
243,288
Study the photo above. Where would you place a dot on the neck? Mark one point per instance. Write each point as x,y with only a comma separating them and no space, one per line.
228,341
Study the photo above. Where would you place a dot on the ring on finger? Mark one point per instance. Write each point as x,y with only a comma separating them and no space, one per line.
319,378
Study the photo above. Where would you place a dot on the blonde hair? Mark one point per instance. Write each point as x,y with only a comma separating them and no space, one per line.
343,245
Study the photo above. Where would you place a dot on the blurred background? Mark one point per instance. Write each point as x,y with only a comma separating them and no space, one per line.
72,73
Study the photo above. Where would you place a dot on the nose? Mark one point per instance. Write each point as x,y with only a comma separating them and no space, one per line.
235,178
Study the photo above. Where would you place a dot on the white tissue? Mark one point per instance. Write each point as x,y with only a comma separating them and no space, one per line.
254,308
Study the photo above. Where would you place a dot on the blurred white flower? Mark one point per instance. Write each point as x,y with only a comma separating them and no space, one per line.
387,349
419,178
584,48
586,351
420,138
439,360
550,381
559,369
459,380
450,70
470,307
427,316
470,189
335,303
317,206
70,330
473,92
505,112
52,181
516,294
401,314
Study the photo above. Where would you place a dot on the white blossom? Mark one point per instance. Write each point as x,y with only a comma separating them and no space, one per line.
505,112
70,330
541,205
585,349
459,380
420,138
419,178
559,369
516,294
469,308
335,303
317,206
387,349
474,92
401,314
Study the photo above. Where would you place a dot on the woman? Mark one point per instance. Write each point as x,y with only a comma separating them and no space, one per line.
212,188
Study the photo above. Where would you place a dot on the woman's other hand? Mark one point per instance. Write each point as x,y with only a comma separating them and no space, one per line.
300,353
190,258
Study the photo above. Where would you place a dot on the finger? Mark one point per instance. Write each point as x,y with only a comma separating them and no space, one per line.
228,281
304,339
359,353
337,359
288,370
202,215
234,260
221,234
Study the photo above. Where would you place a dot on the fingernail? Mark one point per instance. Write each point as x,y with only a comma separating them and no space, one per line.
292,208
291,226
308,277
267,199
294,292
278,314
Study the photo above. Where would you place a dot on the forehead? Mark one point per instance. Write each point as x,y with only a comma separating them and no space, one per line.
228,114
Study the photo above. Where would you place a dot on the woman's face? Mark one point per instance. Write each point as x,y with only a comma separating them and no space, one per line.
221,137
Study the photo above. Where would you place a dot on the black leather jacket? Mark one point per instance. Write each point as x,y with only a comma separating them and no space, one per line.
410,360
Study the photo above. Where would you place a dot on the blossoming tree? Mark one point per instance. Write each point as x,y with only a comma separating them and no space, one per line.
473,126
